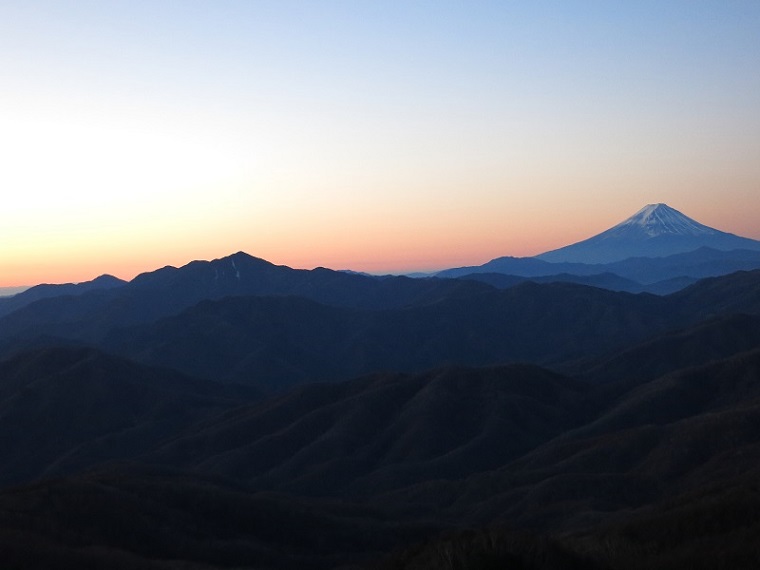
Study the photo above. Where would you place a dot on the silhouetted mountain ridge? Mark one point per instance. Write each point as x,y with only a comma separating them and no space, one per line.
649,454
44,291
168,291
273,342
649,273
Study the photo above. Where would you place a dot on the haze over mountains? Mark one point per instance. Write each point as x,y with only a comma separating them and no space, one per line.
657,230
657,250
236,413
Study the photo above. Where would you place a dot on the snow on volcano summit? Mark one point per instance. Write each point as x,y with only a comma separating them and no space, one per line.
660,219
657,230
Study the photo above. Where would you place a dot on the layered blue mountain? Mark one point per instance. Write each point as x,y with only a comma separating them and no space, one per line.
657,230
657,250
235,413
46,291
87,311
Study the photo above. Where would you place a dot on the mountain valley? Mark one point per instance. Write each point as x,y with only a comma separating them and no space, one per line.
239,414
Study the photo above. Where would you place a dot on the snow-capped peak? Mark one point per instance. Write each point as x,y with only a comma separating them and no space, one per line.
661,219
657,230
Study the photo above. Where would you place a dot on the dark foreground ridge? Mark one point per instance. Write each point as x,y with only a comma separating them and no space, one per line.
235,414
578,474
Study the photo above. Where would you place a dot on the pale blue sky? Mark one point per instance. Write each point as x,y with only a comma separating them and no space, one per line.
372,135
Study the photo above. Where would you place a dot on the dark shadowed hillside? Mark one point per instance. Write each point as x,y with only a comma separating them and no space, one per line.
664,468
93,311
172,458
383,432
46,291
276,342
713,527
490,548
161,520
699,344
271,342
64,409
602,280
648,273
734,293
671,435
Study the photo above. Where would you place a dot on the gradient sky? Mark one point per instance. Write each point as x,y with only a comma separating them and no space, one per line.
377,136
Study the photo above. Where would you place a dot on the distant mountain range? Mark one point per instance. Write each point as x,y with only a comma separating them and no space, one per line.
657,230
657,250
250,327
524,414
328,475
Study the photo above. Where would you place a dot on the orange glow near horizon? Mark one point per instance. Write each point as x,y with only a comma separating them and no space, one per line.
367,136
379,248
383,243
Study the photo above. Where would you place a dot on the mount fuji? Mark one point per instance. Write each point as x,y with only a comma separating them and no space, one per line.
658,250
657,230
